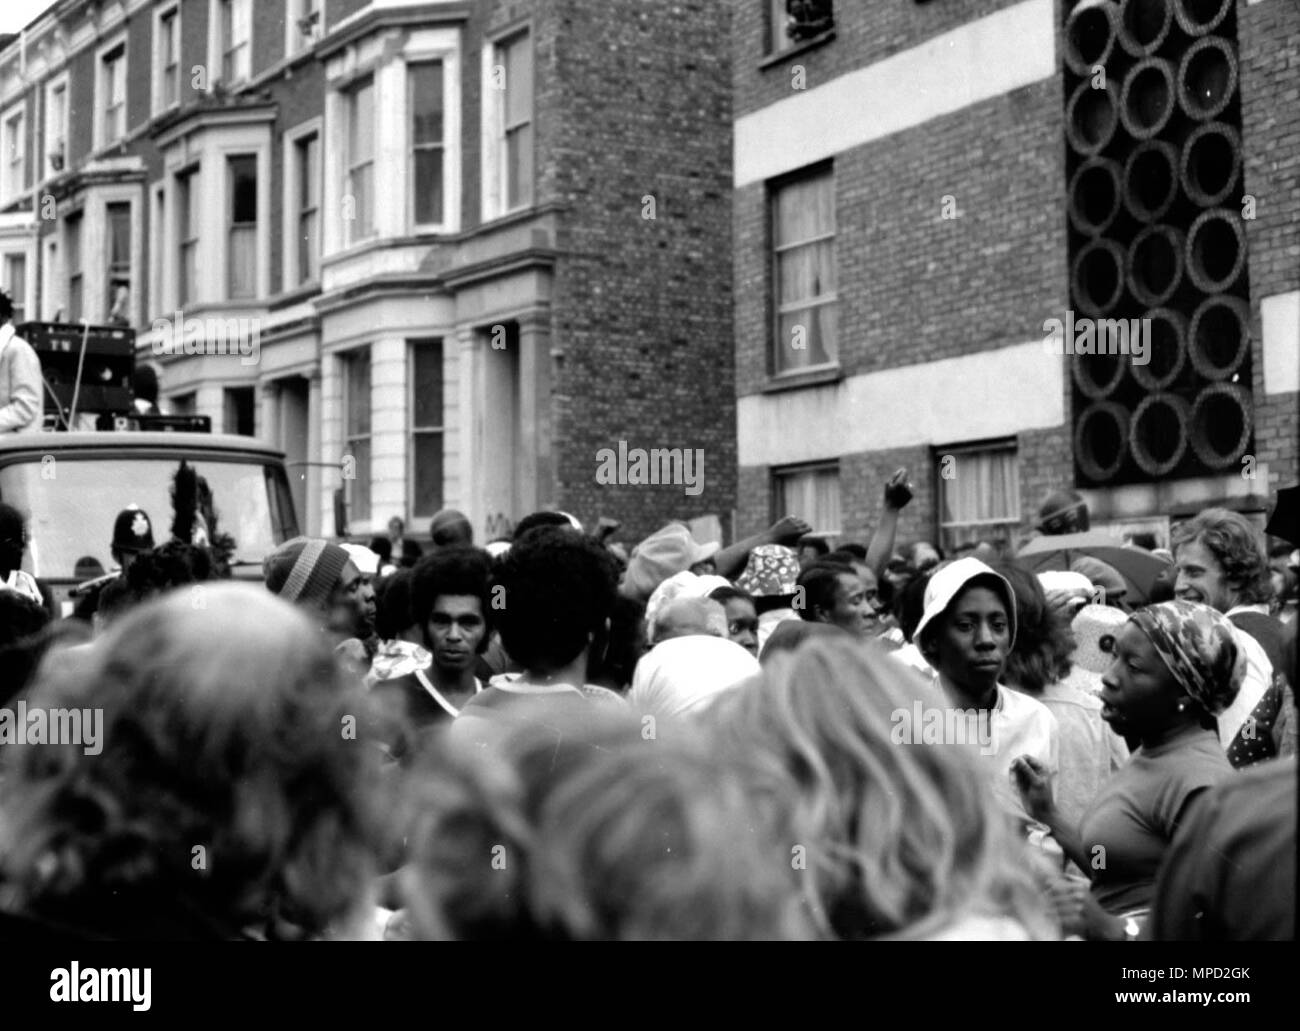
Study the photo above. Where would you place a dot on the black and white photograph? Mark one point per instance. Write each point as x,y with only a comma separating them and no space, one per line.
536,471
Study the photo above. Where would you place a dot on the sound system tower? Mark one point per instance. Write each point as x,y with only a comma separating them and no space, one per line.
107,366
1157,232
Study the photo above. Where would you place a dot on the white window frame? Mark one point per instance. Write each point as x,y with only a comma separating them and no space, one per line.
159,103
351,235
55,137
11,190
290,272
412,431
494,164
102,87
227,206
294,41
435,45
216,47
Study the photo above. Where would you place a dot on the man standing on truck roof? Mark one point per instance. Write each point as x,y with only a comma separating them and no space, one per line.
20,376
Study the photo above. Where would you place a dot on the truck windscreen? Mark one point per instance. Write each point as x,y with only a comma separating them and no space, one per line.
71,507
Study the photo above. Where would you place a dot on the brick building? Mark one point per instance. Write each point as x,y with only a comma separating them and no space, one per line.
462,246
903,232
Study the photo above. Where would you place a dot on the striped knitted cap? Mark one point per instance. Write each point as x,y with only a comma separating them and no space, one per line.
304,571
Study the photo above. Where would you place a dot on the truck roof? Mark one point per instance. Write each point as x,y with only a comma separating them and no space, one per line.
154,441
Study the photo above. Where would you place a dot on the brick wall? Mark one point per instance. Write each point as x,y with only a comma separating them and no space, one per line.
268,34
629,107
913,286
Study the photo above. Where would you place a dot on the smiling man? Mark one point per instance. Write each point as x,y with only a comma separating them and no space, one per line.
1221,562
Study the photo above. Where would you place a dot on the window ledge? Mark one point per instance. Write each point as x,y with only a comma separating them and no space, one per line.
287,298
805,378
771,60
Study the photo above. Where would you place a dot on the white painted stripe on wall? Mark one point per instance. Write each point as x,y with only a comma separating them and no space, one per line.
1280,316
990,394
984,58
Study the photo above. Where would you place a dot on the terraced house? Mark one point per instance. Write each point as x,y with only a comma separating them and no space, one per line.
478,241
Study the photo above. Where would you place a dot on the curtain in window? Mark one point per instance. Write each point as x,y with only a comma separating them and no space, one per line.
983,489
803,235
812,495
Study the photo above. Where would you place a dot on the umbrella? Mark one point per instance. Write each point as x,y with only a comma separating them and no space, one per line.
1138,567
1285,521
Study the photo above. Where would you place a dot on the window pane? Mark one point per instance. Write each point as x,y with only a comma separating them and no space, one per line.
805,273
426,359
519,81
427,484
806,337
813,495
119,237
804,209
359,187
308,173
243,189
358,394
358,489
308,248
984,487
239,410
519,166
428,186
426,102
74,244
361,130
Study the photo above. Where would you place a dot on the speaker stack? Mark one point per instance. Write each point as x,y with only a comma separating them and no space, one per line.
1154,172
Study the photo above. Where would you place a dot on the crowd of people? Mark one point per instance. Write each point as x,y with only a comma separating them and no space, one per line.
555,737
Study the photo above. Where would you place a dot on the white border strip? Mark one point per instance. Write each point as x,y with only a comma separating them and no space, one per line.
988,394
984,58
1279,316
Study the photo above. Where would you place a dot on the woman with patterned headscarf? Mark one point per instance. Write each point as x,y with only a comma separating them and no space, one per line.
1175,668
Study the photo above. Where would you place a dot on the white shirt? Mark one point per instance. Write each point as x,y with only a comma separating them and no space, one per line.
767,623
1258,679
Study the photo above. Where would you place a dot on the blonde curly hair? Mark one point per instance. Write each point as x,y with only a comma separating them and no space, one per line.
904,840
